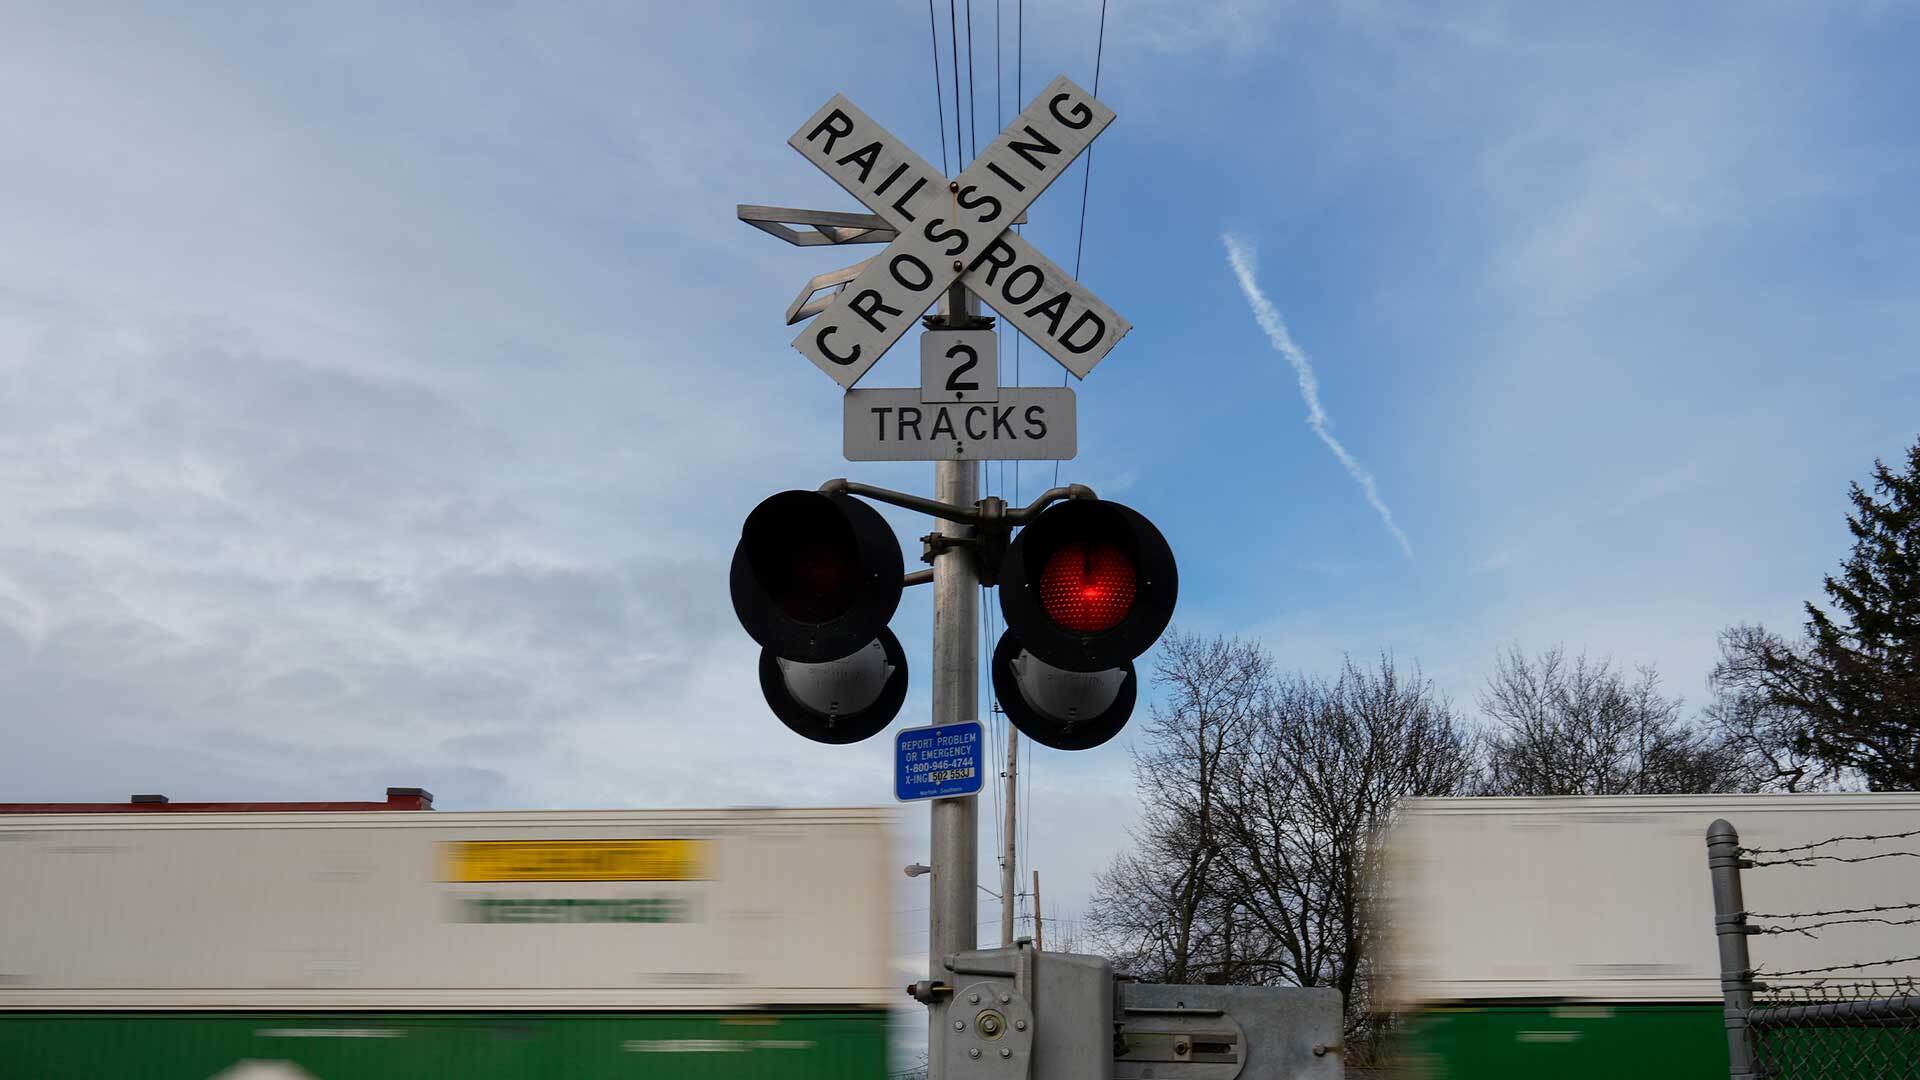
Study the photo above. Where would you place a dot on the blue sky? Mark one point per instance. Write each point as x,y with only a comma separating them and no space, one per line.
381,391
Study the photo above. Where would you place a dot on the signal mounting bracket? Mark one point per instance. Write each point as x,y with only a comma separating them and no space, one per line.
989,516
990,543
933,545
988,548
987,512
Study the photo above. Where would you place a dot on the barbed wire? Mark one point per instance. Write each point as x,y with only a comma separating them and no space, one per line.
1806,929
1824,991
1835,911
1824,843
1809,860
1760,974
1809,929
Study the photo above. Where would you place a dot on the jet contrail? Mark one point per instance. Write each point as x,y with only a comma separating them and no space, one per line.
1242,257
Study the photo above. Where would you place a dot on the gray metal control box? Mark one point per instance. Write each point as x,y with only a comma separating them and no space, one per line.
1020,1014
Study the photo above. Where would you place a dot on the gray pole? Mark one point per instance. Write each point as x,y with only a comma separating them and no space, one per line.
1008,852
952,921
1039,938
1730,928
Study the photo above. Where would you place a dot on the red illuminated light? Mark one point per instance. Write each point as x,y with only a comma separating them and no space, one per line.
1087,587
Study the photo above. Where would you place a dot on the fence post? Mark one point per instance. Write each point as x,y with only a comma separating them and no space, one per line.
1730,928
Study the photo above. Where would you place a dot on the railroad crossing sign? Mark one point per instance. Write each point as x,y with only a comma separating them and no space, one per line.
956,229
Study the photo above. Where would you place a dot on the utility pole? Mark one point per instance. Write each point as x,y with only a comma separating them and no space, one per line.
953,925
1008,851
1038,940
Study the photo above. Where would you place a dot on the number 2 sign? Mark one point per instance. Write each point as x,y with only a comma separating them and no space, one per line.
959,365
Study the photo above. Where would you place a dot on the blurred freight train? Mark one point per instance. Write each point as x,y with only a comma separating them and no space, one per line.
309,941
1574,937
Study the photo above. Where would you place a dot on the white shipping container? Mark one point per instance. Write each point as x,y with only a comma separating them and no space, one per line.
1609,899
319,910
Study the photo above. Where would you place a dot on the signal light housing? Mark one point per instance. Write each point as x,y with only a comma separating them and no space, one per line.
844,700
1088,586
1067,710
816,576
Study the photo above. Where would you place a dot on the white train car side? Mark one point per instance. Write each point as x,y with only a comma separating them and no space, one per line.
370,944
1574,937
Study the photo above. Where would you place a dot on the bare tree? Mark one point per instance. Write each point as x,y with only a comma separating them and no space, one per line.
1758,718
1264,801
1325,773
1580,727
1150,909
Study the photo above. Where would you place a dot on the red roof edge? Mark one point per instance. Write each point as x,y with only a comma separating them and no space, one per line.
398,798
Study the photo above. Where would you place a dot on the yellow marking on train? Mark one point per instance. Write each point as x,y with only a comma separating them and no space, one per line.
574,860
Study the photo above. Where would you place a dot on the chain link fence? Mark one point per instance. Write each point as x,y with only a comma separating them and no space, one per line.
1827,1023
1860,1029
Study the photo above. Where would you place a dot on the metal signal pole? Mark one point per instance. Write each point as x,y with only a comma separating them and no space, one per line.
1008,853
952,921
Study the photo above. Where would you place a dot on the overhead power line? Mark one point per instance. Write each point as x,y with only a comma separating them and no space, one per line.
940,109
1019,100
953,37
973,116
1086,182
1086,171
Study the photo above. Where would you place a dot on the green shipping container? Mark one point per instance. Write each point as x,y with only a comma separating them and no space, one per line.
1571,1042
443,1046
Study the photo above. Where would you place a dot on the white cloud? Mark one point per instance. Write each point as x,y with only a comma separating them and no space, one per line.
326,462
1241,256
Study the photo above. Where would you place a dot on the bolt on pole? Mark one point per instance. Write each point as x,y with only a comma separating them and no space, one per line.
952,924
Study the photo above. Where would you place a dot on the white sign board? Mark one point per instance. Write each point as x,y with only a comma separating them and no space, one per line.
959,365
1027,423
956,229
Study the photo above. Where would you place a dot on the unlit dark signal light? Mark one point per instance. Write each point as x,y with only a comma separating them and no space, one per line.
815,579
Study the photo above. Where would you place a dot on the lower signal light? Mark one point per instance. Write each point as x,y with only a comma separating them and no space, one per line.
1066,710
839,701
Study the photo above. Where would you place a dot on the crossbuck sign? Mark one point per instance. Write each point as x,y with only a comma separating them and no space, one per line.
957,229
